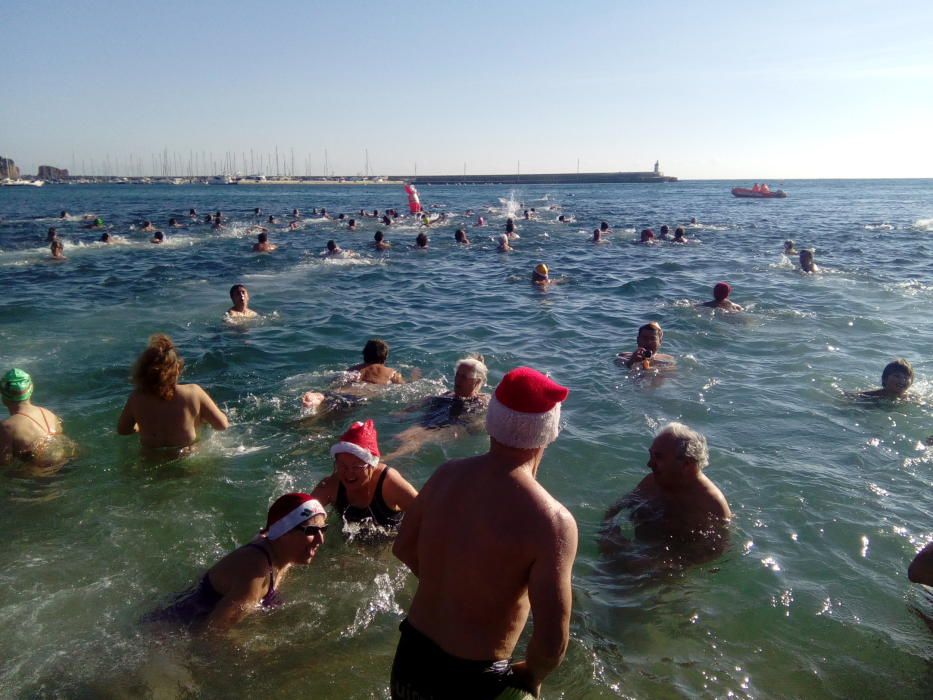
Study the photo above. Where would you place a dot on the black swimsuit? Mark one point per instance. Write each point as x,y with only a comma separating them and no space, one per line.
378,512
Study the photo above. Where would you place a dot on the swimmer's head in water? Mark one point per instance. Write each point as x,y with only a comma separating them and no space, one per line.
603,225
897,376
679,232
98,221
469,375
16,386
361,441
540,273
158,367
676,454
262,237
422,240
105,238
524,411
509,226
237,292
158,236
331,246
378,236
647,235
376,351
721,291
290,511
650,336
788,245
460,235
664,230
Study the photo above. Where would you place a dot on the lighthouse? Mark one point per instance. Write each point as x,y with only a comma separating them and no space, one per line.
657,167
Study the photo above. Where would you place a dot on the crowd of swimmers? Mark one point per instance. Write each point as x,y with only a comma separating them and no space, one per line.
476,588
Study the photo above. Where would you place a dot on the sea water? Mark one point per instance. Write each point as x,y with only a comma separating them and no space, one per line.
831,496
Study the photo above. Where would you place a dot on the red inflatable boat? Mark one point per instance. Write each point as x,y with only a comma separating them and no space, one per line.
758,194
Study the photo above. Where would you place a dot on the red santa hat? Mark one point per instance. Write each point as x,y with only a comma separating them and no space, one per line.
361,441
289,511
524,411
721,291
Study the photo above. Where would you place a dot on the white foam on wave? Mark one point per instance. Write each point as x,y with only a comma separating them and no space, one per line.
923,225
883,226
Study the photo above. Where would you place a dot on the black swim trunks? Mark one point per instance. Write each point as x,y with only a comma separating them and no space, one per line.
424,671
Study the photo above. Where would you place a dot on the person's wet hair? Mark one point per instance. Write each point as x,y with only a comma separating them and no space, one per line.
263,237
235,288
375,351
159,236
679,232
378,236
603,226
422,240
459,235
331,245
509,226
158,367
901,366
664,229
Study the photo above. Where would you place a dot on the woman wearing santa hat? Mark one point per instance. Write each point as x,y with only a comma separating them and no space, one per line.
362,489
247,578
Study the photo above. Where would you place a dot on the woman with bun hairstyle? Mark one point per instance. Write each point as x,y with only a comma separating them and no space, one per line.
164,412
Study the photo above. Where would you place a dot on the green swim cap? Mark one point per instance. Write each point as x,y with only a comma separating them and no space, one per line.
98,221
16,386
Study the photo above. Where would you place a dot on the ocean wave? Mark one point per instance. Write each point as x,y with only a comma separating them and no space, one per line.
923,225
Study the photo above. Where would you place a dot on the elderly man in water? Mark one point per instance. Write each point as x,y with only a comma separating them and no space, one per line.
676,501
446,415
489,545
648,343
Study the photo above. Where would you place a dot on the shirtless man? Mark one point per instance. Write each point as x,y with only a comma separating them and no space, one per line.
721,298
488,545
372,370
23,435
677,500
379,241
806,261
649,342
57,248
262,244
896,379
163,412
240,298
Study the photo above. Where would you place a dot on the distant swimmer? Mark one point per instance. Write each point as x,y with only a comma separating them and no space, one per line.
31,434
449,414
646,354
334,251
721,300
208,218
480,221
510,230
248,578
262,244
379,241
676,501
789,248
806,261
541,275
351,225
157,238
51,234
896,378
386,221
504,246
680,236
921,568
373,370
693,221
604,227
257,211
362,488
96,223
647,237
598,236
460,236
296,214
147,227
421,241
477,586
57,249
63,215
174,223
271,220
193,213
105,237
563,220
240,298
163,412
665,232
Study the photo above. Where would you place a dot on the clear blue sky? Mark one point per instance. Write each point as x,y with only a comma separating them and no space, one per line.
712,89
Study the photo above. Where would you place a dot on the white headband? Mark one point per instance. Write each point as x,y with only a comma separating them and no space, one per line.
306,510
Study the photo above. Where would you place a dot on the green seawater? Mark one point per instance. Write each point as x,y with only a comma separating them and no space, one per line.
831,497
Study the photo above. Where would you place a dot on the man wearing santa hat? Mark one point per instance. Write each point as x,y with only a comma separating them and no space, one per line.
488,545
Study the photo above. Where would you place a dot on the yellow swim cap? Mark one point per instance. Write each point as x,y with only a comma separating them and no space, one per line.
541,269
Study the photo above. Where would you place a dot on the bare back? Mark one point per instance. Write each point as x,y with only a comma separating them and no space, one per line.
377,374
24,430
172,422
481,528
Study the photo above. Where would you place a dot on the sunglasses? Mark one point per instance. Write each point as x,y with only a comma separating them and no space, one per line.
312,530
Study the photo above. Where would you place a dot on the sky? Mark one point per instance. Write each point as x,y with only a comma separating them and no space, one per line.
754,90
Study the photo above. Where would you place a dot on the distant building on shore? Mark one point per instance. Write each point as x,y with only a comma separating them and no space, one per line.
8,169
